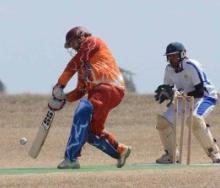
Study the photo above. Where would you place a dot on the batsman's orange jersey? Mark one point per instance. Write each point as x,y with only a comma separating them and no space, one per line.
94,64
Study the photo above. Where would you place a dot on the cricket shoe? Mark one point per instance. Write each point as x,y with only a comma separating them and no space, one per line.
215,157
167,159
124,154
67,164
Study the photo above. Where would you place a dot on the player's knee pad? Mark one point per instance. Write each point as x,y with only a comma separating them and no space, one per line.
204,135
198,123
82,116
162,123
80,129
84,109
166,134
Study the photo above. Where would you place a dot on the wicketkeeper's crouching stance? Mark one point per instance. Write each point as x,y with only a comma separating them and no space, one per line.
187,77
98,77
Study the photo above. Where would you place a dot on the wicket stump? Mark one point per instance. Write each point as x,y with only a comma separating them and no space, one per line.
187,107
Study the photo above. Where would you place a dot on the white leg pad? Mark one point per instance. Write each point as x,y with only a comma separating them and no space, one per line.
204,136
165,130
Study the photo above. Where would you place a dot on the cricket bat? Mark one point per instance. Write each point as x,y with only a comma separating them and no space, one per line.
41,134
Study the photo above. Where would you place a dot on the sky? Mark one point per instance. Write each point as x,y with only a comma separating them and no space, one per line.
32,35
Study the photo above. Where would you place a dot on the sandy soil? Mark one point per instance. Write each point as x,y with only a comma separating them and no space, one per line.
133,123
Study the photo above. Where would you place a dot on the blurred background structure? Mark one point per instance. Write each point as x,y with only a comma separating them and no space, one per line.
128,78
2,88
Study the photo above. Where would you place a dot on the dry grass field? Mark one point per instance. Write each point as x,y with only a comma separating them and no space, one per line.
133,123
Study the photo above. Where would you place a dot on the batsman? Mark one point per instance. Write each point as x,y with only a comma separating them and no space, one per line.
102,84
185,76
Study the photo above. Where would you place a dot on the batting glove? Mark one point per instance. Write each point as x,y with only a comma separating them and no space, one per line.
56,104
58,92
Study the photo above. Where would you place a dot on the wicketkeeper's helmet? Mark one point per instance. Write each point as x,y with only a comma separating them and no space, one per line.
176,48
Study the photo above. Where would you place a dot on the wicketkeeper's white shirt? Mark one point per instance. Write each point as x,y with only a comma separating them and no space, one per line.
191,75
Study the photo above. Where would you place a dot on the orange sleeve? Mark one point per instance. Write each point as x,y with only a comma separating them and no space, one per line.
68,72
77,93
74,95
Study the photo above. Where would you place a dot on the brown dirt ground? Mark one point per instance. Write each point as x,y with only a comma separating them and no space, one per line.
133,123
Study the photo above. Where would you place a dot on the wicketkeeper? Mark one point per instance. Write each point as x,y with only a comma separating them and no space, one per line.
100,79
186,76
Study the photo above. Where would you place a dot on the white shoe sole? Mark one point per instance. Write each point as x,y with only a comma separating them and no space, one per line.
125,157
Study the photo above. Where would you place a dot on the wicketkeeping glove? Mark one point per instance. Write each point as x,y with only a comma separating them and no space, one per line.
164,92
